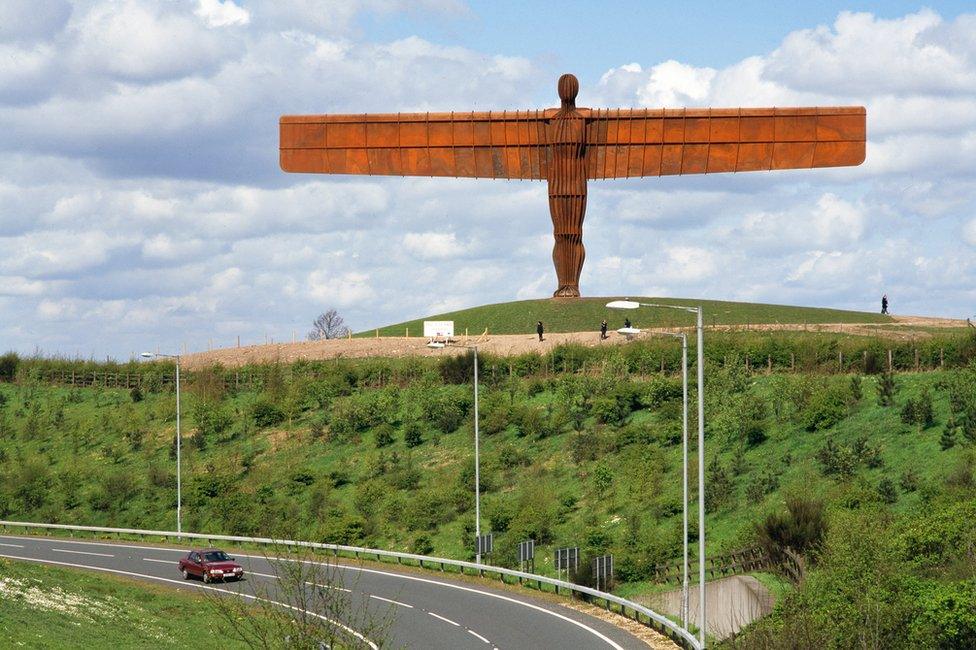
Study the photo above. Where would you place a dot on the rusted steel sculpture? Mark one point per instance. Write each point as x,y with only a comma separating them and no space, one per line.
567,146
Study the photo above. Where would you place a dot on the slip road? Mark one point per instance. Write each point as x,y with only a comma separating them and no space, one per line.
428,612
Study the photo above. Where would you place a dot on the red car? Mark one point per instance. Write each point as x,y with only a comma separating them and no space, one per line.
210,564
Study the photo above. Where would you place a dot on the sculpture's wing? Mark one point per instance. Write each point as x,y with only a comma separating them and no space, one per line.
649,142
496,144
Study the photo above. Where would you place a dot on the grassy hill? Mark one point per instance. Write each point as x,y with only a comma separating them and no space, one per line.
585,314
378,452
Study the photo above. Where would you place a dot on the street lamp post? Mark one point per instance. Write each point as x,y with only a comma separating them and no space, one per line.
630,304
179,482
477,460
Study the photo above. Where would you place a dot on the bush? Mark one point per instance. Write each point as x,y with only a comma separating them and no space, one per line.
266,414
762,483
825,409
211,418
422,545
919,411
718,486
135,394
887,388
801,528
383,435
413,434
887,490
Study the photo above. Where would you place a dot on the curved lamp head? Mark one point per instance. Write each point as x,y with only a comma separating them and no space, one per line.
147,355
623,304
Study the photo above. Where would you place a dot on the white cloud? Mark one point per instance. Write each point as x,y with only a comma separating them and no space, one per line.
969,232
141,196
433,245
222,13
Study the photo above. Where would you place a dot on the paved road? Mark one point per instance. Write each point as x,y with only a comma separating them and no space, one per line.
429,612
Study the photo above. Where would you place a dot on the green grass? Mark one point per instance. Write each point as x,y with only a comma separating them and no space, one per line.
585,314
52,607
69,455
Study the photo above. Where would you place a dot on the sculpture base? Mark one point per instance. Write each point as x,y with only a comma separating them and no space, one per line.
566,292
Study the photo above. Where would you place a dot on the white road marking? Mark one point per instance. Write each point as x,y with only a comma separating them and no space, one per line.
446,620
401,576
198,586
64,550
55,540
13,545
388,600
149,559
478,636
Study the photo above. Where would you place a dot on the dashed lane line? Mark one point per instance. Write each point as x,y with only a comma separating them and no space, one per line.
13,545
446,620
478,636
389,600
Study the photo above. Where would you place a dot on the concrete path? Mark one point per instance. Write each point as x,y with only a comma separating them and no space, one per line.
731,604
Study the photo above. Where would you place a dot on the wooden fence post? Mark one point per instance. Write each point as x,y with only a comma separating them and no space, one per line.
792,361
890,365
769,363
840,361
864,362
941,358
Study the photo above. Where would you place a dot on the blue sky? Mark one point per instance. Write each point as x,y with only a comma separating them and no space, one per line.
588,38
141,203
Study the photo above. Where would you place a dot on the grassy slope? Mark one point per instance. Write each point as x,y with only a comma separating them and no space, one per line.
106,610
271,478
585,315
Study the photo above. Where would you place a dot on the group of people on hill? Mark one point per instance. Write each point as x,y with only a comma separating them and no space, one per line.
541,330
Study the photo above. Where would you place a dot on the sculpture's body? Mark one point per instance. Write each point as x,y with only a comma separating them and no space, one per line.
569,145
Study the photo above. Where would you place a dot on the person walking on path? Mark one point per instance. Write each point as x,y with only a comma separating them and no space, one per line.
884,304
539,329
603,329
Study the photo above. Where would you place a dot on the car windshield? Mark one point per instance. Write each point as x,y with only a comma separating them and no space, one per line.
215,556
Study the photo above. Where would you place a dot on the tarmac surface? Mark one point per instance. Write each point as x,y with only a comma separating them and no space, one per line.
427,611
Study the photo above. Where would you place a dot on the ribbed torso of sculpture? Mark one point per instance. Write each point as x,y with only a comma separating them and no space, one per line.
567,188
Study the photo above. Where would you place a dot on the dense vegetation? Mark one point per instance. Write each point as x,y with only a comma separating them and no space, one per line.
585,314
579,447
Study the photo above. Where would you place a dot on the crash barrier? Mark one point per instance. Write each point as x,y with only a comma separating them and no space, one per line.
630,609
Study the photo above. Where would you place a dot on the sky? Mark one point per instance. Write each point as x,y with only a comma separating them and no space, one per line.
142,206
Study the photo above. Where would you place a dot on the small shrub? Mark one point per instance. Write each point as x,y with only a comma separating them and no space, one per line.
135,395
887,490
800,528
908,481
948,438
762,483
919,411
266,414
422,545
887,388
856,391
413,434
718,486
825,409
383,435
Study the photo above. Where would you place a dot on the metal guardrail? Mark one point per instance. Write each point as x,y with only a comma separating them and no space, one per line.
639,613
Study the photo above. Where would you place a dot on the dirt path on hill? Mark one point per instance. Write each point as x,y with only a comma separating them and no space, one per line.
902,327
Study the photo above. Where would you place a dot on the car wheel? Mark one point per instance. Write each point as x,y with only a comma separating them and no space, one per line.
206,577
186,576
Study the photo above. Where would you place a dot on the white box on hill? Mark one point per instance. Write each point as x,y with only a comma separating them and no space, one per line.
440,329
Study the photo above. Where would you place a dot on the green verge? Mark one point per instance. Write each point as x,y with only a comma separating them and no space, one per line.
51,607
585,314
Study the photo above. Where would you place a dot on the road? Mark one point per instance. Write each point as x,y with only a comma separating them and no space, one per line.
429,612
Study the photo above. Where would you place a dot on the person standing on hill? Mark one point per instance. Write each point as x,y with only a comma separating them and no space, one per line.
603,329
627,323
884,304
539,329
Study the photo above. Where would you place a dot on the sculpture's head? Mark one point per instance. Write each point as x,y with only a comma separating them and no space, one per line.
568,87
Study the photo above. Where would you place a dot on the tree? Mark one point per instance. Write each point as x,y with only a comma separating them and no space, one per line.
328,325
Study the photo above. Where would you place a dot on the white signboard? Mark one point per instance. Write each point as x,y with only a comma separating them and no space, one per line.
439,328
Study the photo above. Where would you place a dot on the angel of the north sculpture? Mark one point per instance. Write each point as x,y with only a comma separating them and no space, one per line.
567,146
